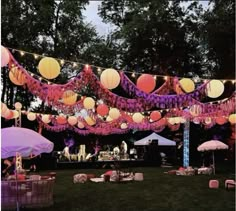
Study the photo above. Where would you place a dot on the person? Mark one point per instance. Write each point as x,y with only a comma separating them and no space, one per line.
9,167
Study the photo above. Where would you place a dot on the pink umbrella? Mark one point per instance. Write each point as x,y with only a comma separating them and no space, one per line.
212,146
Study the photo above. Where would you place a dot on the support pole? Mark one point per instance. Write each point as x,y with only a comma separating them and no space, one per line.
186,144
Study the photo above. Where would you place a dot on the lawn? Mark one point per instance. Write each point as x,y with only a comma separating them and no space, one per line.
158,191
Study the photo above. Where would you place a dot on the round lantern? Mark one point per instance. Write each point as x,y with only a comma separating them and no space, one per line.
114,113
155,115
187,85
61,120
80,125
18,106
146,83
221,120
89,103
196,120
46,118
195,110
16,76
214,88
171,120
31,116
9,114
5,57
102,109
137,117
3,109
15,114
49,68
208,120
69,97
232,118
90,121
162,122
124,125
109,119
72,120
110,78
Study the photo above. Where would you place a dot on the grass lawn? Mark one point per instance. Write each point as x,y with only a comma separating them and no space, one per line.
158,191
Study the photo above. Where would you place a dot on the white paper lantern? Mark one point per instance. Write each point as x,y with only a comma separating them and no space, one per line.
18,106
124,125
171,120
80,125
232,118
137,117
89,103
72,120
109,119
110,78
5,57
15,114
214,88
114,113
182,120
46,118
31,116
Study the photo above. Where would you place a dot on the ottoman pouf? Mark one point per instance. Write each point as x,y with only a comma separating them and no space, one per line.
138,176
80,178
229,183
213,184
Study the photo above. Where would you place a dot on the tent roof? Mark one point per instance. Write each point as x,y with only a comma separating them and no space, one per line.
161,140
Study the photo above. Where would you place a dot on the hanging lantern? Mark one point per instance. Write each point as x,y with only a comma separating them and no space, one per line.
114,113
109,119
162,122
208,120
195,110
61,119
137,117
46,118
90,121
196,121
69,97
18,105
15,114
89,103
187,85
5,57
72,120
124,125
221,120
110,78
146,83
171,120
80,125
214,88
9,114
102,110
49,68
17,77
232,118
3,109
31,116
155,115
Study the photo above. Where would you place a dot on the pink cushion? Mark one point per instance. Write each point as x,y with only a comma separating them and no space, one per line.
229,183
213,184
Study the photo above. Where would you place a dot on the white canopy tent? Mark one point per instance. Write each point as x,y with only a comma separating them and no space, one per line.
161,140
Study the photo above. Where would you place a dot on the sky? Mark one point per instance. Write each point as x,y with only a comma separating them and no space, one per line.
91,16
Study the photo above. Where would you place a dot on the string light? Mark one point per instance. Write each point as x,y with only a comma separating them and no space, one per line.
22,53
133,75
36,56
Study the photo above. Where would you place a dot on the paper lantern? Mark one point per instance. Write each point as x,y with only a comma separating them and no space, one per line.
187,85
146,83
72,120
221,120
155,115
124,125
90,121
214,88
171,120
61,119
3,109
89,103
17,77
69,97
9,114
49,68
114,113
5,57
162,122
102,109
232,118
208,120
110,78
31,116
109,119
46,118
196,120
80,125
137,117
195,110
18,106
15,114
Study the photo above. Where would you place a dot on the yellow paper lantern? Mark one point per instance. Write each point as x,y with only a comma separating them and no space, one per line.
214,88
90,121
187,85
5,57
89,103
49,68
171,120
110,78
195,110
114,113
109,119
15,114
69,97
17,77
31,116
232,118
18,105
80,125
46,118
72,120
137,117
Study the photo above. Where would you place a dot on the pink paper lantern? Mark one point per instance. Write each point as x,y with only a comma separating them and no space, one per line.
72,120
31,116
102,109
146,83
5,57
221,120
61,120
155,115
9,114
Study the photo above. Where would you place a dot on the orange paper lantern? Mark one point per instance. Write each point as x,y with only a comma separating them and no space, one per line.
61,120
69,97
102,109
17,77
146,83
155,115
221,120
187,85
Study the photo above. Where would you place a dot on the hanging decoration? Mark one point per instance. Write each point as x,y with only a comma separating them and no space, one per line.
16,76
69,97
232,118
155,115
215,88
4,56
146,83
187,85
102,109
31,116
49,68
89,103
110,78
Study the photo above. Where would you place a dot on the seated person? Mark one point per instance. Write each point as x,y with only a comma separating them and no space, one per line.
9,167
